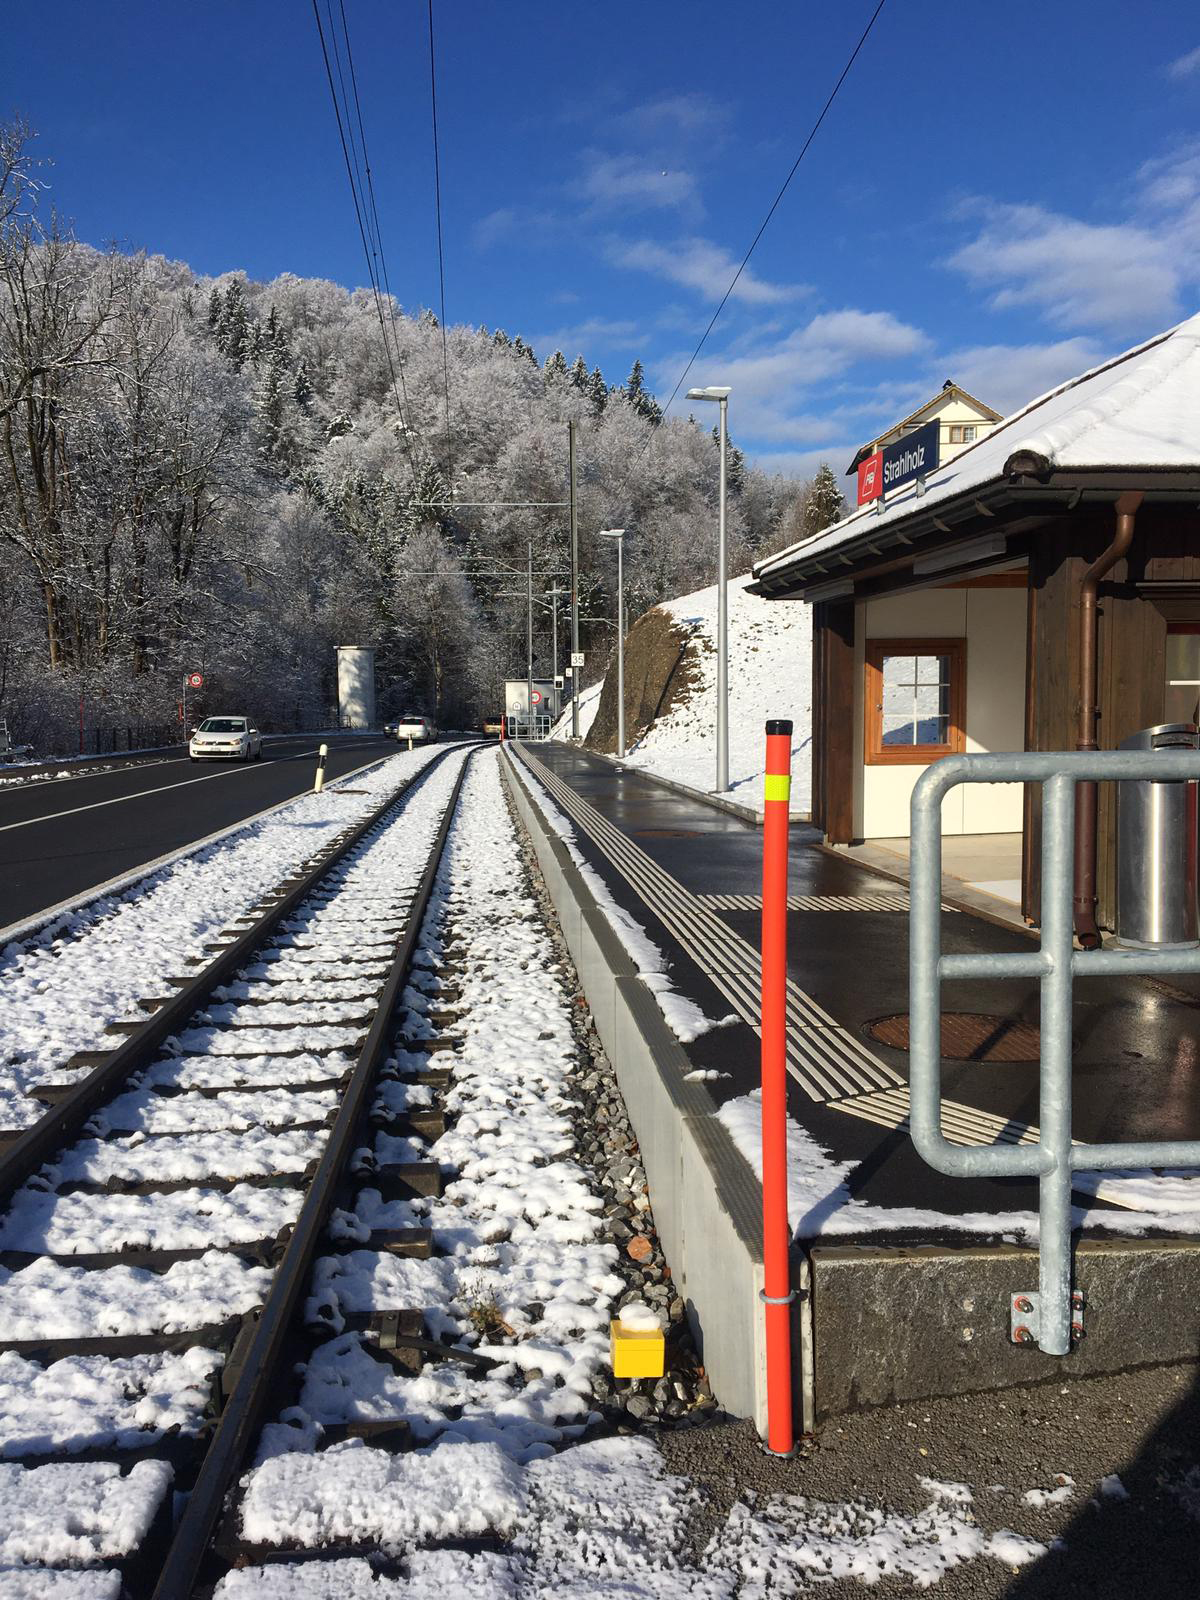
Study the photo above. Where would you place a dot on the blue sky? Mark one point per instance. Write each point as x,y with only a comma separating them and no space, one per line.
1002,194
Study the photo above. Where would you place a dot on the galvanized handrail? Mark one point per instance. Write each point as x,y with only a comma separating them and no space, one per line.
1056,963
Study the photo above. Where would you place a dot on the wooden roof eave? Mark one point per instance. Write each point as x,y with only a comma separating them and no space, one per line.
986,508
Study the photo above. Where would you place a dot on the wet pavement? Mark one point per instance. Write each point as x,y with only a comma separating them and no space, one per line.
1137,1040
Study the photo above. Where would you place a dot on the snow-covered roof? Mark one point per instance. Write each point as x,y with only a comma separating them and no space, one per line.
1140,410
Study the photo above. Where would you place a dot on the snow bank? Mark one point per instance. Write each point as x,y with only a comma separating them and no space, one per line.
770,675
820,1203
792,1541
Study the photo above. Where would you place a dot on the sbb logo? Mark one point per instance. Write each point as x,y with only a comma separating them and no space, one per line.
870,478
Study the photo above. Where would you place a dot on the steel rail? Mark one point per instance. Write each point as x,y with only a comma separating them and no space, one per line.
65,1121
242,1414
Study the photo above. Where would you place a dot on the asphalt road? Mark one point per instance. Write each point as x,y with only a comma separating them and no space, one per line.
62,837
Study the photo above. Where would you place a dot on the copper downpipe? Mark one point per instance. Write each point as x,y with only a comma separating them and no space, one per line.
1085,793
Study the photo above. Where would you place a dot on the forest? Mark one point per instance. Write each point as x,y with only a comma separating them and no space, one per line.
230,477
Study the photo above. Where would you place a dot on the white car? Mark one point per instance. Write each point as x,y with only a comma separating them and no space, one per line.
225,739
420,729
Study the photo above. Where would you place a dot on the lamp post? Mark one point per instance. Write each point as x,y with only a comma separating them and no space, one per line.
529,645
619,535
554,594
721,395
572,433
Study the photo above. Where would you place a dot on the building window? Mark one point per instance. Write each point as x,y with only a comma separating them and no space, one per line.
968,433
915,700
956,433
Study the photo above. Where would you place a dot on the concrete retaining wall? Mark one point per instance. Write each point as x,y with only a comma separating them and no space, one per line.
707,1201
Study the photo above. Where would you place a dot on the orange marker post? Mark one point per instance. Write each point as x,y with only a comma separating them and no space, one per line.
777,1290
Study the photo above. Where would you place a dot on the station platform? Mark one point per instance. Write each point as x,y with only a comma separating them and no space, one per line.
691,877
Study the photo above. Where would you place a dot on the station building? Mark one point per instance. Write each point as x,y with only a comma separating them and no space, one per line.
960,417
949,614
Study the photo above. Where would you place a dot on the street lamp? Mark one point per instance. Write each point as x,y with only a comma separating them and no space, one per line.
619,535
721,395
554,594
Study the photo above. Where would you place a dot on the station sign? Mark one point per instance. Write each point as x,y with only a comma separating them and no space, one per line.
914,456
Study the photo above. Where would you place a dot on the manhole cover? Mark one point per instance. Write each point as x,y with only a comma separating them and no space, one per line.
968,1036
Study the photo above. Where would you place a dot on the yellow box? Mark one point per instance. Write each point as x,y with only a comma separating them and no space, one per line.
637,1352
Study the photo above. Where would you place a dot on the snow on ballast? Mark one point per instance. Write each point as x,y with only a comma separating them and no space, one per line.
129,1261
444,1398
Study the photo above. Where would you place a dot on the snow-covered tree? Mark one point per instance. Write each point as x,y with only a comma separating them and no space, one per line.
824,502
173,503
597,391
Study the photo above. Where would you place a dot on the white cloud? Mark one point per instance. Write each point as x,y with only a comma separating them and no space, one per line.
631,183
803,463
577,338
778,387
819,390
701,265
512,222
1007,377
1185,66
684,113
1079,274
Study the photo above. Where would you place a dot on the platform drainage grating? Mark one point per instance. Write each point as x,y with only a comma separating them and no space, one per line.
967,1036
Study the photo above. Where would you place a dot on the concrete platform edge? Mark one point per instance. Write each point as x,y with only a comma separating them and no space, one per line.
893,1324
706,1199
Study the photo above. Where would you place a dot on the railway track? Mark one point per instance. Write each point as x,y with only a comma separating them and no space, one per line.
164,1216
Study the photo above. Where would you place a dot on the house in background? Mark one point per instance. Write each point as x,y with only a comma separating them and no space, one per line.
960,613
962,419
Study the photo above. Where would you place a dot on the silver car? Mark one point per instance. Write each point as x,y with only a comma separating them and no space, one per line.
225,739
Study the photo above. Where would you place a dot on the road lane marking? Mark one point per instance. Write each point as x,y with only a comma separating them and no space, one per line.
163,788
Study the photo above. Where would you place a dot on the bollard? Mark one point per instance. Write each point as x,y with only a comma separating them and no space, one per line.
410,744
777,1289
320,779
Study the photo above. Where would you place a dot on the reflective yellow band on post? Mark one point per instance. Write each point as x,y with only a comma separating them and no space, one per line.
777,786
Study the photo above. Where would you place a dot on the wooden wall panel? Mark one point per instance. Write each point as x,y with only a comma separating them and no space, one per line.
1131,663
834,751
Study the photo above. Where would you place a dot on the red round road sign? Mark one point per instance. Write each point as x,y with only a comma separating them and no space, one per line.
195,680
537,697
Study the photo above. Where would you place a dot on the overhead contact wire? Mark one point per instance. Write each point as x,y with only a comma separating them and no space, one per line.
733,282
362,229
374,210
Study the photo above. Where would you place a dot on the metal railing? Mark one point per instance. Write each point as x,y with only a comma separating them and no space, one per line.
1048,1315
532,728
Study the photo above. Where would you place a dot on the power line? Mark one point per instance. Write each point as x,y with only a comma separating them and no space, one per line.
401,408
437,192
733,282
371,206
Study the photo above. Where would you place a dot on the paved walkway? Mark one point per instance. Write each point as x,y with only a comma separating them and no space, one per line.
691,876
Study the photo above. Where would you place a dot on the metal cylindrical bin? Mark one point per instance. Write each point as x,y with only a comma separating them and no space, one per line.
1157,849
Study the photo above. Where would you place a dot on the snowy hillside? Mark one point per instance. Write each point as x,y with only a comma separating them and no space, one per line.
770,672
